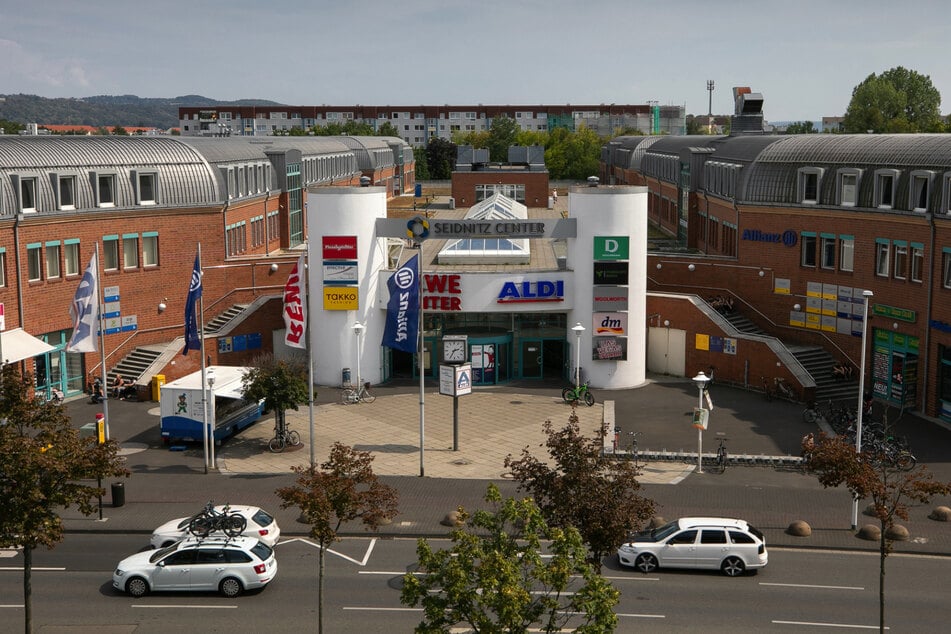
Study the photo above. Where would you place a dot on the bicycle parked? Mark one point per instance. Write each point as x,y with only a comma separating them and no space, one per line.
721,458
283,436
362,394
578,393
211,520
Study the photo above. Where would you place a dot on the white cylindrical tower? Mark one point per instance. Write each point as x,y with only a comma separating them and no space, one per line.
341,214
605,213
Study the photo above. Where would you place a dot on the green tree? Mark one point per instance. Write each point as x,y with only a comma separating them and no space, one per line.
801,127
583,153
422,164
388,129
120,131
343,489
578,485
495,579
43,465
898,100
441,158
871,475
502,135
282,385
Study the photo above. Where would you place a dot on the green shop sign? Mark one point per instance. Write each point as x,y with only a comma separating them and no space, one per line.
611,248
892,312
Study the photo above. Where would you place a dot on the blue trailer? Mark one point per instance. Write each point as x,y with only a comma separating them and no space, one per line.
182,403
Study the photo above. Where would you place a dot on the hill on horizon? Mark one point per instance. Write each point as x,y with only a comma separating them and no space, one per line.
108,110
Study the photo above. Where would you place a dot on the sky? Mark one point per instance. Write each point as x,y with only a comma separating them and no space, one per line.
804,57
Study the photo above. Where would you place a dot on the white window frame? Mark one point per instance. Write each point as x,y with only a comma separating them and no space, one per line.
882,251
150,249
65,182
827,252
34,259
3,267
946,268
26,194
841,191
881,200
130,251
105,182
71,257
917,262
901,260
140,196
846,253
110,253
920,180
51,256
804,239
805,175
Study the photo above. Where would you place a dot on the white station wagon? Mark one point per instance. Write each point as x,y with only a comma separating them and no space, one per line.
715,543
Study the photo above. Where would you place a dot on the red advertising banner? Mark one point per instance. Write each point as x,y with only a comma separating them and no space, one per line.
340,247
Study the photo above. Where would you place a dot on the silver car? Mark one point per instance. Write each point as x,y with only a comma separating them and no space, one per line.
227,565
716,543
260,525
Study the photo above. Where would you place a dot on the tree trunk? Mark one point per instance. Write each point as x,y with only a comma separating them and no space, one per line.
27,589
320,590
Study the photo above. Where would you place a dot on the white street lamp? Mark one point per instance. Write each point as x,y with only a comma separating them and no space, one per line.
866,294
358,329
577,329
701,381
209,404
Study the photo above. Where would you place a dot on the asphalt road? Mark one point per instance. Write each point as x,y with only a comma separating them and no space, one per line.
799,591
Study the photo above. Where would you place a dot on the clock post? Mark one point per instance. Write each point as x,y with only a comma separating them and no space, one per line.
455,376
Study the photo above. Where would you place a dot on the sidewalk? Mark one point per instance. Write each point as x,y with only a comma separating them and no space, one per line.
494,423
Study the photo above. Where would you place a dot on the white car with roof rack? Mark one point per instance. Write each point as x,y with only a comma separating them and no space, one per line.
260,525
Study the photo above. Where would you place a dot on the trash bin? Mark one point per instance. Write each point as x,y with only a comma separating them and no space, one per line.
452,202
418,190
157,382
346,376
118,494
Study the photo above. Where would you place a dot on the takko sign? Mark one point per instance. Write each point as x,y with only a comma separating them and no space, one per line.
442,292
528,292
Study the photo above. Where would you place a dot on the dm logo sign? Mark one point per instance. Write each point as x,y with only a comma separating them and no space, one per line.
611,247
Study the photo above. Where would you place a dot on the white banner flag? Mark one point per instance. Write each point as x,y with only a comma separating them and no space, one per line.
295,315
85,310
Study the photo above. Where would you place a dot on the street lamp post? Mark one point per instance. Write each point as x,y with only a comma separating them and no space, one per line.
701,381
358,329
210,378
866,294
577,329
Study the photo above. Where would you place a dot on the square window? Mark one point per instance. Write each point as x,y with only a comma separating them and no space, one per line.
67,192
106,190
808,250
52,261
110,254
130,252
34,258
881,259
846,253
150,250
917,262
828,252
901,261
72,258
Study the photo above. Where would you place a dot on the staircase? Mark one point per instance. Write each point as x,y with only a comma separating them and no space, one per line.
135,364
743,324
219,322
819,364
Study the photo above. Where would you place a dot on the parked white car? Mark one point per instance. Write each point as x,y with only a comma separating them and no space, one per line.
730,545
261,525
228,565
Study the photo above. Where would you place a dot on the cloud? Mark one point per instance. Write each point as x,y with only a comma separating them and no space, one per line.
22,67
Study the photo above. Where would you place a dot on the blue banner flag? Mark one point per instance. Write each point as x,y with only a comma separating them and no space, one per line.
192,337
85,310
402,311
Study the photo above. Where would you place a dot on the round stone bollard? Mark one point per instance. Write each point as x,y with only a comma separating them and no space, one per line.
453,519
941,514
656,522
897,533
799,528
870,532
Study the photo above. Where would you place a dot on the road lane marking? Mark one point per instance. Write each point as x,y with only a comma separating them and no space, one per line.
808,585
173,606
817,624
12,605
366,555
383,609
33,568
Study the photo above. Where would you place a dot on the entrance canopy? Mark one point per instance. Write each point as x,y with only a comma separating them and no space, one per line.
17,345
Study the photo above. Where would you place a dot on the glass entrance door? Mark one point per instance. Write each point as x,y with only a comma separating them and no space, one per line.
543,358
491,359
532,358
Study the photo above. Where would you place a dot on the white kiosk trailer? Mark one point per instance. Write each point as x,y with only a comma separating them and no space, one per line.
182,401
